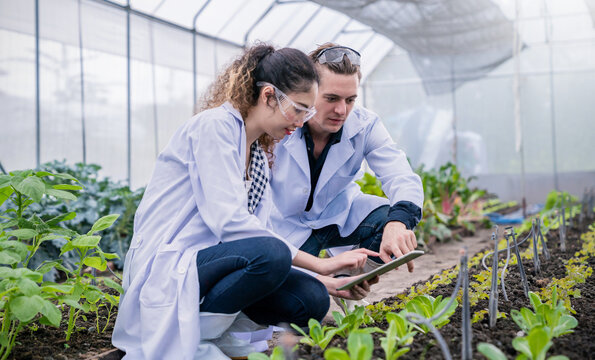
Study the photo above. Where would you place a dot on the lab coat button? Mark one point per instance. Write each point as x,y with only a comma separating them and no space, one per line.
306,191
181,269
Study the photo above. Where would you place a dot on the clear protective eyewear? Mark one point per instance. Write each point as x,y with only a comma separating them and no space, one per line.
288,107
335,54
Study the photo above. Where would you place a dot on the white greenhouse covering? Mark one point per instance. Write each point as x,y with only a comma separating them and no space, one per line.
503,88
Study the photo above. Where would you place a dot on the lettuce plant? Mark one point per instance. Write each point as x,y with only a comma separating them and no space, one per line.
535,345
399,334
353,320
427,306
553,318
360,346
318,335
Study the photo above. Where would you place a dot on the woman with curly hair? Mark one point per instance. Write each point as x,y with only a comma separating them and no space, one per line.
203,253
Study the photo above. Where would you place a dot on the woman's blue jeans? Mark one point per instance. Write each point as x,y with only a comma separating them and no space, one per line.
255,276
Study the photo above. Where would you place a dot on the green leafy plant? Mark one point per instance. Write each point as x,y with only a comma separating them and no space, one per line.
101,196
24,297
352,321
399,334
277,354
86,296
428,306
318,335
359,347
535,345
554,318
490,351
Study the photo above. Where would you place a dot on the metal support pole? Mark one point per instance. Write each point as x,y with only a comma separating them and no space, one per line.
83,120
128,96
37,93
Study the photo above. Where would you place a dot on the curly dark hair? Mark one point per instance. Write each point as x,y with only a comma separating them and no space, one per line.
288,69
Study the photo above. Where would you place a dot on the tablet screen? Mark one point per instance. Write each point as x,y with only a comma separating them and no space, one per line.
383,268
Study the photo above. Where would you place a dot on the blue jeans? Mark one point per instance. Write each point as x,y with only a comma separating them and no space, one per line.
255,276
367,235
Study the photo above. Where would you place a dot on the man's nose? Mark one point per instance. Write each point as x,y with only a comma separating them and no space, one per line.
341,107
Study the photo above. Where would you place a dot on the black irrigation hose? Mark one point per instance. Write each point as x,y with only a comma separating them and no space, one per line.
418,319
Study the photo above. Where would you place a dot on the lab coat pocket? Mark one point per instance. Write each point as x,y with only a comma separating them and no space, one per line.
161,287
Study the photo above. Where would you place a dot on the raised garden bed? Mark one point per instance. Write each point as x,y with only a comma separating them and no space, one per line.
577,345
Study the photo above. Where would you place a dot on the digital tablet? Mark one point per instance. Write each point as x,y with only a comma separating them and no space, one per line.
383,268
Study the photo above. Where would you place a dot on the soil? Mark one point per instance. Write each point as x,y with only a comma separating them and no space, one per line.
48,343
578,345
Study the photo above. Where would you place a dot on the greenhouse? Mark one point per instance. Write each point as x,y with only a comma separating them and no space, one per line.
476,114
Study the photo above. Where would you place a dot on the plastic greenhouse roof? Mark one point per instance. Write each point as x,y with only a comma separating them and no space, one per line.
455,37
295,23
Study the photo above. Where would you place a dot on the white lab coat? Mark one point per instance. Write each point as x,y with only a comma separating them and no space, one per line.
196,198
337,198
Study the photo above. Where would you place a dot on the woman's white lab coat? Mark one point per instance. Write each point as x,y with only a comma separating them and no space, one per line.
337,198
196,198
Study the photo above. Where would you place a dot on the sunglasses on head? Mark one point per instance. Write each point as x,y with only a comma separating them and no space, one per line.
335,54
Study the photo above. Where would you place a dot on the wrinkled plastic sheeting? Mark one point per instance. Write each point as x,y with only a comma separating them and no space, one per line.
449,42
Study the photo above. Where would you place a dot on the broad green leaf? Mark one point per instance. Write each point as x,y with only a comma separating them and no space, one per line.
28,287
103,223
4,180
51,237
360,345
18,273
95,262
57,288
491,352
65,176
86,240
114,285
5,193
16,246
43,173
92,295
23,233
60,194
66,248
8,257
52,314
33,187
336,354
109,256
63,217
73,303
258,356
67,187
25,308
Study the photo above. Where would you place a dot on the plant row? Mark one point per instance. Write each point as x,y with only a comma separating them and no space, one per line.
26,299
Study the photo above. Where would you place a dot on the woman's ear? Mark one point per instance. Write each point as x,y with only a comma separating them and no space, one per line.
266,94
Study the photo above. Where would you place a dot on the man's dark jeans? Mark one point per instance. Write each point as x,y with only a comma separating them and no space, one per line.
368,235
255,276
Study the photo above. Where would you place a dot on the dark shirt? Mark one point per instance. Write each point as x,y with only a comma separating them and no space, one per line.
404,211
316,164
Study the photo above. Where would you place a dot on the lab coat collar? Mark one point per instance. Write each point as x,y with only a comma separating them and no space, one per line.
296,147
236,114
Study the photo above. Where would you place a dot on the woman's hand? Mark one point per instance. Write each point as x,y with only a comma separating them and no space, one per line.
357,292
349,260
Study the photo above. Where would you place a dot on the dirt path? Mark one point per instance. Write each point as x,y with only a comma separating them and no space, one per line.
441,256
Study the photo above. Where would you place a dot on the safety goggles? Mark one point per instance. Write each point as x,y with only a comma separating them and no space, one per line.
288,107
335,54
